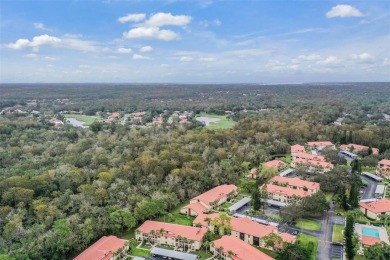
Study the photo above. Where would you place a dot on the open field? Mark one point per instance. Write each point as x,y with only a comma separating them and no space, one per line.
88,120
337,235
304,240
223,122
308,224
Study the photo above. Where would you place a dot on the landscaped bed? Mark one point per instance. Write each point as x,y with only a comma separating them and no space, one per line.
308,224
337,235
305,240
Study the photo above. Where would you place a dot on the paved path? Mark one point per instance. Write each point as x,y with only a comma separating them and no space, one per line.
325,239
369,191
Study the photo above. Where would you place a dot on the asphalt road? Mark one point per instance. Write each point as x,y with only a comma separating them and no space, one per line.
369,191
325,237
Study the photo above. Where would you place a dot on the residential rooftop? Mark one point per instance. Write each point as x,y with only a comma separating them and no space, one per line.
320,143
379,206
240,249
385,162
250,227
309,156
358,147
298,149
216,193
286,191
313,163
173,230
275,164
296,182
102,249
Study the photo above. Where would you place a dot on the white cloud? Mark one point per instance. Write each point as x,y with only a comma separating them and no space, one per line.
164,65
36,42
140,57
364,58
70,35
124,50
161,19
309,57
146,49
206,59
40,26
185,59
52,41
49,58
343,11
206,23
152,33
131,18
329,61
31,56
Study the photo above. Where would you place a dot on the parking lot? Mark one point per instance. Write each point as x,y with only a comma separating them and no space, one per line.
338,220
336,252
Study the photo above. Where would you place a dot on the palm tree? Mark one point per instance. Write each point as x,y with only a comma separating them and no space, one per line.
230,253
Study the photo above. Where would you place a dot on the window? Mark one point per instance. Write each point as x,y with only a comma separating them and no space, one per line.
242,236
256,241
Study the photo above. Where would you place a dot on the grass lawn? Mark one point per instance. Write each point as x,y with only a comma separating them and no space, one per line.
129,234
337,235
288,159
273,216
308,224
203,255
267,251
328,196
140,252
304,241
224,123
88,120
225,205
178,218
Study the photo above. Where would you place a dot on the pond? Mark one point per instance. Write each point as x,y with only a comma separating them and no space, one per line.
207,120
76,123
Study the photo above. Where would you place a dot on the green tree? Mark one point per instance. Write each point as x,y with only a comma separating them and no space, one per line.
350,247
256,203
293,252
122,219
379,251
96,126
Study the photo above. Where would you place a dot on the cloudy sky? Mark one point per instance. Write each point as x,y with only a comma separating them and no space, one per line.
262,41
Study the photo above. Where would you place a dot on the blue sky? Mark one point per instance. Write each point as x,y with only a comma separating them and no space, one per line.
263,41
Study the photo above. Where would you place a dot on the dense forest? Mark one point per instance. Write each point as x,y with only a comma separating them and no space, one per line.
61,189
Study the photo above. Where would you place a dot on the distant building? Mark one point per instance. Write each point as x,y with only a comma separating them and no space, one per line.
309,156
312,165
321,145
357,148
253,173
376,208
297,149
210,199
277,164
296,183
178,236
383,168
106,248
284,194
232,248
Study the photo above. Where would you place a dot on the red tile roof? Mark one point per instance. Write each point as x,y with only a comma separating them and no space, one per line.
241,250
275,164
370,241
309,156
385,162
192,233
250,227
296,182
313,163
382,205
199,208
298,149
286,191
216,193
286,237
358,147
102,249
320,143
200,219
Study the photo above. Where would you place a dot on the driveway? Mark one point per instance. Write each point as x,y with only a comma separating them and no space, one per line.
369,191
